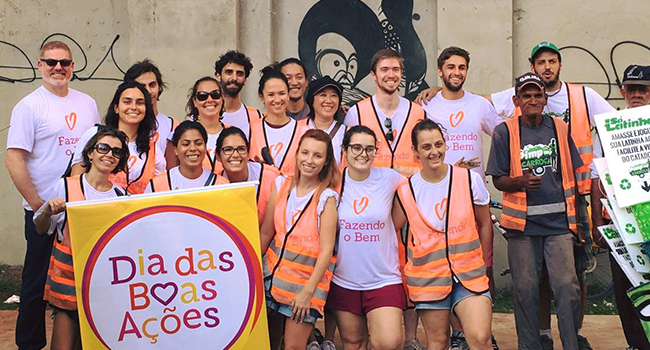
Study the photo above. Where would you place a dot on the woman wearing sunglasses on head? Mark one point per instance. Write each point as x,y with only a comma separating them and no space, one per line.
206,106
130,112
189,143
324,100
232,154
367,294
298,236
105,153
448,239
276,132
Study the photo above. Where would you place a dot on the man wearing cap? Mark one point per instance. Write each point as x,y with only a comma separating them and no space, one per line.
232,70
532,161
636,92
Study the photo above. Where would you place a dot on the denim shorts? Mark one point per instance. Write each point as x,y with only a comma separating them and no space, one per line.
458,293
273,307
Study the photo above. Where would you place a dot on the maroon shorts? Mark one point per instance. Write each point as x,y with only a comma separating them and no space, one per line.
361,302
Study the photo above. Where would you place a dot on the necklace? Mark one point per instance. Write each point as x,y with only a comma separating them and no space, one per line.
555,93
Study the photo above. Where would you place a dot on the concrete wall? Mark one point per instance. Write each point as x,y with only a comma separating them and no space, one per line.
186,37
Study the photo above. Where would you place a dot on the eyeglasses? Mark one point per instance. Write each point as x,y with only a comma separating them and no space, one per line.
230,150
52,62
388,123
103,148
358,149
202,95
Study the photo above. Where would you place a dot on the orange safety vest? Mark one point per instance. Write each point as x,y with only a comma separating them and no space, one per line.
434,256
402,158
214,166
267,178
580,130
163,182
252,114
138,185
514,203
292,254
258,141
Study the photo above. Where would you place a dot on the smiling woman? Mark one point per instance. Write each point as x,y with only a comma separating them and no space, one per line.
205,105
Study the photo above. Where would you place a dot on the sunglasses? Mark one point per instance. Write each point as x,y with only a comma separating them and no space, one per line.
230,150
52,62
358,149
202,95
104,148
388,123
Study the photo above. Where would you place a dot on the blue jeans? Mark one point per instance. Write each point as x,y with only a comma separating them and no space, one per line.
274,308
458,294
30,325
526,254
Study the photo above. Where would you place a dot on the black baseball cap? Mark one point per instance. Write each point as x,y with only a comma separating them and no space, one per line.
636,75
528,78
315,86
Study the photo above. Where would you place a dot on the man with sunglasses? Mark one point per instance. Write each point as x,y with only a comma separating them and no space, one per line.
392,118
45,128
232,70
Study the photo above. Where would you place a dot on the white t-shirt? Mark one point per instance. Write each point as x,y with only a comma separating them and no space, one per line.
464,119
135,163
368,253
211,146
165,131
278,140
180,182
337,140
254,172
558,106
432,197
49,128
295,204
398,118
59,192
239,119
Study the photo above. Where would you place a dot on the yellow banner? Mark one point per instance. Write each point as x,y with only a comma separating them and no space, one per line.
175,270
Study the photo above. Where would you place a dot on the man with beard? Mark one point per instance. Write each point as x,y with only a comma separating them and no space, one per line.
232,71
45,128
636,92
463,115
296,74
392,118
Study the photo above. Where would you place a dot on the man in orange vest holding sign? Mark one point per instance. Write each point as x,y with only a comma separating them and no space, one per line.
533,160
392,118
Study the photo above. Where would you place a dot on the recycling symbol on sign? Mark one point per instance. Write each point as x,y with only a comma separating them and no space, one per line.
640,260
625,184
629,228
608,179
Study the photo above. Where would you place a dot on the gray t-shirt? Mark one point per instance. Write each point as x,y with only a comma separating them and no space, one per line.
540,151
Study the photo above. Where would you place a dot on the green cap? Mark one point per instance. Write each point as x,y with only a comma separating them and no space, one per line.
544,45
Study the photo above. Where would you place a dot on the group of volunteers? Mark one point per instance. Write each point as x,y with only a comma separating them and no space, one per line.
373,216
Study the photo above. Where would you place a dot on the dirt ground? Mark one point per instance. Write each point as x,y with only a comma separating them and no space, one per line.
604,332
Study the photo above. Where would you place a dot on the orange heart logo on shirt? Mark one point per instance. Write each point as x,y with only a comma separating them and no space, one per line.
295,216
155,137
275,149
455,120
131,162
360,205
441,209
71,120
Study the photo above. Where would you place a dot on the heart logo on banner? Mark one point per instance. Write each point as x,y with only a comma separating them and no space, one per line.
441,209
71,120
132,160
360,205
163,288
455,120
275,149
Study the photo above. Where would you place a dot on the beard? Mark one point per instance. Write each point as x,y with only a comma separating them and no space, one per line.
551,83
452,87
232,91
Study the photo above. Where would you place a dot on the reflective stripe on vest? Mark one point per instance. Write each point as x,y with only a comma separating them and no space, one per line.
258,140
515,206
138,185
402,158
435,256
292,254
60,285
580,130
163,182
